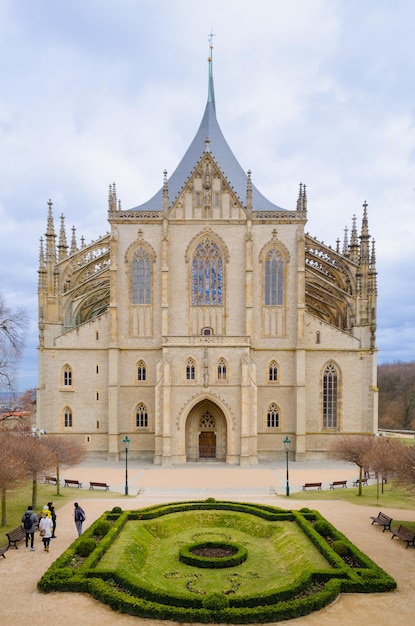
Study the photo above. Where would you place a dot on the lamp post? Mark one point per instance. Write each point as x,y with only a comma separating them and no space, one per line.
287,443
126,443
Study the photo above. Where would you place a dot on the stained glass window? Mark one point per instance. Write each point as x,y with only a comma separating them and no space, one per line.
273,278
330,397
141,286
207,275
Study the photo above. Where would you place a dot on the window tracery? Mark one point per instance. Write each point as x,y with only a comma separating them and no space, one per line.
141,371
330,397
141,276
273,372
273,416
273,278
207,421
207,274
222,369
141,416
67,376
67,417
190,370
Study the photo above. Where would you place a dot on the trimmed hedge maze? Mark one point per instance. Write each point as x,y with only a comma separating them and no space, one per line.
214,562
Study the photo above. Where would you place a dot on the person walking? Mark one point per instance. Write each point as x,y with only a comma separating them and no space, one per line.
51,506
45,529
79,517
29,521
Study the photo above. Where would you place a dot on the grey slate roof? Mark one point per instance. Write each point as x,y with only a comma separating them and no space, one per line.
223,155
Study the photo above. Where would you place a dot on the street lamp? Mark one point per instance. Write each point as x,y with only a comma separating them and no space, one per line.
126,443
287,443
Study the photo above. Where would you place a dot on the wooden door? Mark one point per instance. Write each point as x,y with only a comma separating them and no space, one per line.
207,444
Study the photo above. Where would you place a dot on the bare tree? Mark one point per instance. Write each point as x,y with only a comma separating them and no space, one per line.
405,465
383,459
12,470
354,449
67,451
12,327
37,458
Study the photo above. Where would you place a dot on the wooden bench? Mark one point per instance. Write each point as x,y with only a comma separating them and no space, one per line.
51,479
338,483
72,483
405,534
382,520
311,485
103,485
15,535
356,482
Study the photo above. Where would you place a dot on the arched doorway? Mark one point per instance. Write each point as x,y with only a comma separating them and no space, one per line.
206,433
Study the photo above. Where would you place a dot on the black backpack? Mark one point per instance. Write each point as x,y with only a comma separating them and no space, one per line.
27,523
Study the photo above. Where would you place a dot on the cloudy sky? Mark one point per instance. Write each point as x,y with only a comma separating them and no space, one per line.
313,91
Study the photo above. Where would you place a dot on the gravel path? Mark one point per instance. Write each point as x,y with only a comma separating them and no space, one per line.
21,569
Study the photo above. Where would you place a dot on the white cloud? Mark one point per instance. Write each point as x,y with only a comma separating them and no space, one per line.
96,91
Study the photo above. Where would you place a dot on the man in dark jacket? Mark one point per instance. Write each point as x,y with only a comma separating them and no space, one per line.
29,521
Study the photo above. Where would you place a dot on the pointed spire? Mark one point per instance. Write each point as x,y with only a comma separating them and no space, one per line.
372,271
112,197
74,247
302,198
354,243
364,237
249,192
165,191
42,266
50,236
211,90
346,242
62,245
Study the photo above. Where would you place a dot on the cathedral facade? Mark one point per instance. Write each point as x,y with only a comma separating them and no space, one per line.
207,324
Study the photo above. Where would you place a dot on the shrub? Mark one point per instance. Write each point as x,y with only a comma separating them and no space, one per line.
215,602
210,500
323,528
102,528
85,547
116,509
340,547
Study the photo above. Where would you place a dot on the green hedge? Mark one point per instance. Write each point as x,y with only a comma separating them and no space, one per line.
300,598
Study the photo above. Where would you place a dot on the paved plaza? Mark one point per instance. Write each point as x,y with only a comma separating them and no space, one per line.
266,483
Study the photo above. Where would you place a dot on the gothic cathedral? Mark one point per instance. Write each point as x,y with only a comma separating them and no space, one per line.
207,325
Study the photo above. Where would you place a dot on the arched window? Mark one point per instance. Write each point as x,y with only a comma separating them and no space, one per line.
141,371
67,376
207,274
273,416
273,278
330,397
273,372
222,369
67,417
190,370
141,277
141,416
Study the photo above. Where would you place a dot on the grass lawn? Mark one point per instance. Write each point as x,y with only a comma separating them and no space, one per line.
18,500
392,497
148,553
